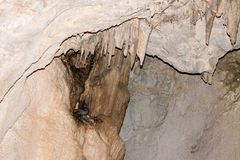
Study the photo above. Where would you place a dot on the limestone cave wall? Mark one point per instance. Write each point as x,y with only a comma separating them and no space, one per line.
177,116
171,114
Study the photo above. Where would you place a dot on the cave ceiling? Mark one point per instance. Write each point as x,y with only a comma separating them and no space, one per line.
189,35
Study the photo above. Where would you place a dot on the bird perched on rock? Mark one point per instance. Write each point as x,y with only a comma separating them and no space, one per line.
80,111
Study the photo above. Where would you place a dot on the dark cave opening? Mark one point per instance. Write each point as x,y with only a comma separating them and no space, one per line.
78,73
97,85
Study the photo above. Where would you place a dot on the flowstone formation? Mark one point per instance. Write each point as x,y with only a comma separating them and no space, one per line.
173,34
131,36
222,8
103,89
107,41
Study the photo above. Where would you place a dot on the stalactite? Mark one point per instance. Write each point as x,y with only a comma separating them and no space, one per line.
207,77
126,42
229,10
209,17
104,44
132,55
111,44
131,36
134,42
211,10
221,7
144,32
120,35
233,20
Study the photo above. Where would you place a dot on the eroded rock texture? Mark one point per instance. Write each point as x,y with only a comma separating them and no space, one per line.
34,32
175,116
103,89
107,94
47,129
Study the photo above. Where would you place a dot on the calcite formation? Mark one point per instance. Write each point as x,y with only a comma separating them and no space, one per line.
52,22
188,35
131,36
227,9
103,89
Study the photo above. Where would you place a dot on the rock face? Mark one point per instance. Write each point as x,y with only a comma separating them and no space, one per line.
47,130
43,131
34,33
176,116
106,94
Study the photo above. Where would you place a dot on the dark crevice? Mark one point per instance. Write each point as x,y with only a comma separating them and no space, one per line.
78,73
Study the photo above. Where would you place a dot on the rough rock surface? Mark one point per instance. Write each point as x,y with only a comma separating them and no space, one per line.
43,131
176,116
32,33
46,130
106,94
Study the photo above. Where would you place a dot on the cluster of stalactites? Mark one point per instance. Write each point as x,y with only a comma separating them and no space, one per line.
228,9
131,36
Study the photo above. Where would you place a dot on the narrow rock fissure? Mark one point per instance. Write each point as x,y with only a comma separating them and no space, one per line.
77,75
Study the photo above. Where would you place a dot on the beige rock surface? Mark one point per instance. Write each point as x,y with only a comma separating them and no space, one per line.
31,34
43,131
175,116
106,95
46,129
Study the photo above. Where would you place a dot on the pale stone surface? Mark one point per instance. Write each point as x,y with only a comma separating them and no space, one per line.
31,33
43,131
34,35
182,46
173,116
46,129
